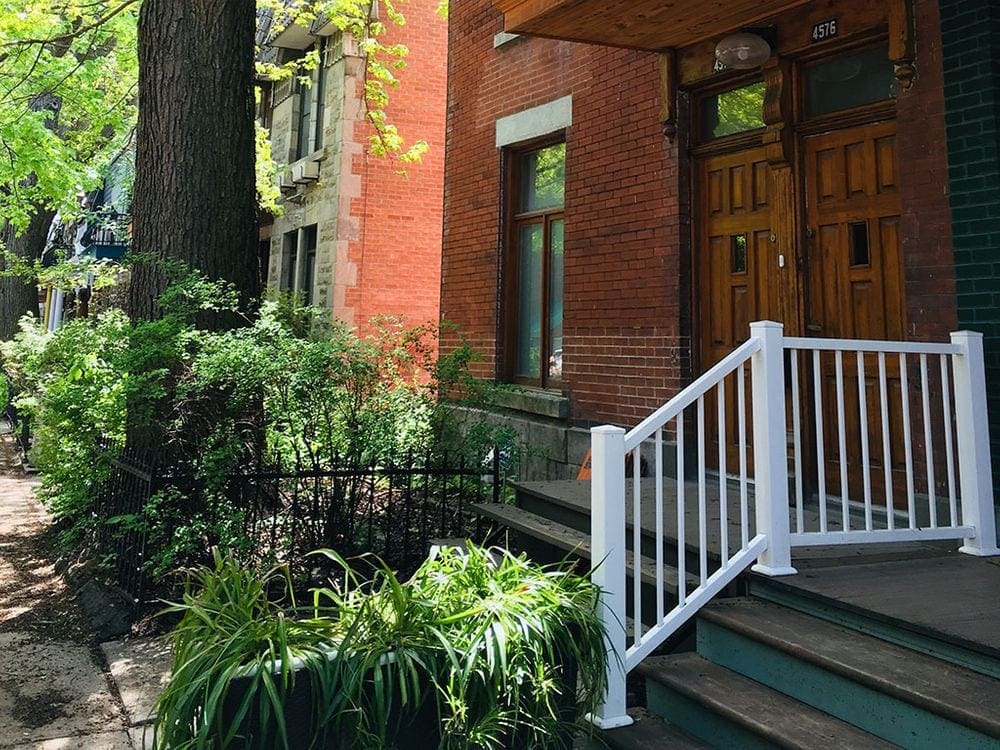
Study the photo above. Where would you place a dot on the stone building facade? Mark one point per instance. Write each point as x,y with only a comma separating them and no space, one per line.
356,235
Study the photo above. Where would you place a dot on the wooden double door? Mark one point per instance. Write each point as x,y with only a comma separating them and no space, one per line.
839,275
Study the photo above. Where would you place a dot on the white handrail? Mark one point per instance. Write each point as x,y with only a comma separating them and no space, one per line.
863,430
863,345
699,387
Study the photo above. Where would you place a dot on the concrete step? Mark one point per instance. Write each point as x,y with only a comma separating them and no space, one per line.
574,542
728,710
909,698
649,732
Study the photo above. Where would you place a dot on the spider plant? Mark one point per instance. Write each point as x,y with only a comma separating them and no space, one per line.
479,649
235,629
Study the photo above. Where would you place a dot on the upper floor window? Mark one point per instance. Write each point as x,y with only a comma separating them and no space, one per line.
535,302
311,105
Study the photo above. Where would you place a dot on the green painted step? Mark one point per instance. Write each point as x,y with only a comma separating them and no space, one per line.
732,712
904,628
649,732
909,698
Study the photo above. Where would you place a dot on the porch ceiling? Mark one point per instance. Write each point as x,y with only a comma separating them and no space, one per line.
637,24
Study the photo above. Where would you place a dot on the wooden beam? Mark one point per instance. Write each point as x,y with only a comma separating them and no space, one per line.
901,41
668,93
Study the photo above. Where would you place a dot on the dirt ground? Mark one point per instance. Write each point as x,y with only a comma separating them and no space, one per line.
54,691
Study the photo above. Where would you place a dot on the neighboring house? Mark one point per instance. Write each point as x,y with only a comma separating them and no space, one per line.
104,233
617,212
355,235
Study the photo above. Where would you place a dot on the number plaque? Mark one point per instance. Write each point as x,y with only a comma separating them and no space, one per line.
824,30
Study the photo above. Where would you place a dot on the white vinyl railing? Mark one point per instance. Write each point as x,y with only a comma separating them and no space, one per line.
873,435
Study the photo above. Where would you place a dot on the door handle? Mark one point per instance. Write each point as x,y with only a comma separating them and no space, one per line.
814,327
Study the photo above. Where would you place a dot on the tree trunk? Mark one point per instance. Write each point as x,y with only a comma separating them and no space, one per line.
18,295
195,195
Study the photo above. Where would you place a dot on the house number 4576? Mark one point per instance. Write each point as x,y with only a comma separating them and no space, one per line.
824,30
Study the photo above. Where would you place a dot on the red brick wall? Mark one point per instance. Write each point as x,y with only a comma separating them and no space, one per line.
928,263
622,344
397,246
627,283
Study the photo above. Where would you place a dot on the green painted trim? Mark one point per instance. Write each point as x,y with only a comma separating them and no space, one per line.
884,716
885,630
700,721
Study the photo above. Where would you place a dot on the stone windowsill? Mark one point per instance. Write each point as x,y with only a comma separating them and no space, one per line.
534,401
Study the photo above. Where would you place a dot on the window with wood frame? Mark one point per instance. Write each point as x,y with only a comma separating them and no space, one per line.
535,293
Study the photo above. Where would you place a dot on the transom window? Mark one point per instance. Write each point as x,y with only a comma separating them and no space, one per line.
852,80
729,112
535,324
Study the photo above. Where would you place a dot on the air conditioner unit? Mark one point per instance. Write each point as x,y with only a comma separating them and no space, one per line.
307,171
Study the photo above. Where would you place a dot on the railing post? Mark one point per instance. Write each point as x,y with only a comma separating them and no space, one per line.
607,528
770,449
974,470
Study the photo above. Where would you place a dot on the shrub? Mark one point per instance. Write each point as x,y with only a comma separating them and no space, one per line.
480,649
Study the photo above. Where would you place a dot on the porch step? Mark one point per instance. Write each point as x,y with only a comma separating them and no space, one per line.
568,502
574,542
944,606
728,710
649,732
909,698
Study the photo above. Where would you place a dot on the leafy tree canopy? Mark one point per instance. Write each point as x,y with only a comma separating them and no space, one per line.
68,71
68,82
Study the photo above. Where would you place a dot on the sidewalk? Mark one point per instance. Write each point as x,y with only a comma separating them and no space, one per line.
54,691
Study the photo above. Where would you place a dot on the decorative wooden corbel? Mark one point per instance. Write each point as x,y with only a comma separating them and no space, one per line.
668,94
778,142
901,51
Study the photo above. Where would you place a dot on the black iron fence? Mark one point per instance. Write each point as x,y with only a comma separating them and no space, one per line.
279,513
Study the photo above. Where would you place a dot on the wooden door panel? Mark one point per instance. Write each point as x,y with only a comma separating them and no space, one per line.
736,262
855,291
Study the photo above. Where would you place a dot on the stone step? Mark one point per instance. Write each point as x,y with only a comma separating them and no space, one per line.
728,710
910,698
573,541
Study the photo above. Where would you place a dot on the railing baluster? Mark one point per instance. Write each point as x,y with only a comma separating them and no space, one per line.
636,544
845,518
883,391
658,443
866,470
681,544
742,422
925,397
797,442
820,437
904,396
949,448
702,500
723,495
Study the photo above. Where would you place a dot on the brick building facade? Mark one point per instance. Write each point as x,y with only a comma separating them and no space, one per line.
356,235
641,291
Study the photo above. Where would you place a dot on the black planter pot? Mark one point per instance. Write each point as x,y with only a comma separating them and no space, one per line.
410,727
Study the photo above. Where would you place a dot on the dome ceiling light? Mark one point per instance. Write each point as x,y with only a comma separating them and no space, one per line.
742,51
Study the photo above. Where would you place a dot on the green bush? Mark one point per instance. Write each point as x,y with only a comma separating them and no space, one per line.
69,386
291,387
478,650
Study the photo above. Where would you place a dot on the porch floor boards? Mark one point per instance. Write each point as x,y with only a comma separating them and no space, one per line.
928,586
